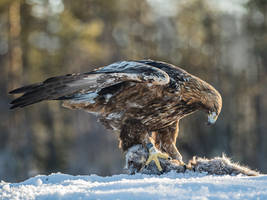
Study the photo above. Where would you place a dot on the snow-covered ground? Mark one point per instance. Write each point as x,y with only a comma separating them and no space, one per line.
169,186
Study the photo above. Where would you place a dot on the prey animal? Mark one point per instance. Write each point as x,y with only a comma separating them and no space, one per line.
142,101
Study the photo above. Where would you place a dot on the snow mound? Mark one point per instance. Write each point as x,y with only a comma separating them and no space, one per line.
172,185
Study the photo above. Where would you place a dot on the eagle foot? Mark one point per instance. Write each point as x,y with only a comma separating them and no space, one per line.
154,155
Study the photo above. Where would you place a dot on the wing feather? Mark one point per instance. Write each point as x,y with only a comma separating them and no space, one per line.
64,87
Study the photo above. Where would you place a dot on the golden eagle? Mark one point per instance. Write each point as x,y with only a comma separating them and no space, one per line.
141,100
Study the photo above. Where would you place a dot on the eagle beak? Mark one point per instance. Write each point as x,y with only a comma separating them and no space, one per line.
212,117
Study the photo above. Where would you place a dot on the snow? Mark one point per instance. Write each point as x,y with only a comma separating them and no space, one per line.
168,186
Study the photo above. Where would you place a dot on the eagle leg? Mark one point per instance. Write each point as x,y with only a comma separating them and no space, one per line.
134,132
154,155
165,140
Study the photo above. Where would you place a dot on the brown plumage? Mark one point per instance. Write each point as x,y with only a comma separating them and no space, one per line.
142,100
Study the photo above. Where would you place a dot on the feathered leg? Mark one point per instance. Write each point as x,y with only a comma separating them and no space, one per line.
133,132
165,140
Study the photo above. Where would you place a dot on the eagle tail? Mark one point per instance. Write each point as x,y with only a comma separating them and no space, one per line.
51,89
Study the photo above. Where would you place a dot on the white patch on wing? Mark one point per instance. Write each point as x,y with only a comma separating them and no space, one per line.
89,80
134,105
156,76
91,97
156,80
107,97
87,97
114,116
122,65
120,72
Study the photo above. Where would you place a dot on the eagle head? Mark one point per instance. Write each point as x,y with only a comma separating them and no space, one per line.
211,103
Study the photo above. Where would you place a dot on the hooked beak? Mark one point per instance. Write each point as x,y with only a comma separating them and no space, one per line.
212,117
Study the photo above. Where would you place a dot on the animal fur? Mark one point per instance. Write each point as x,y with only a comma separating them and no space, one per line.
137,99
136,157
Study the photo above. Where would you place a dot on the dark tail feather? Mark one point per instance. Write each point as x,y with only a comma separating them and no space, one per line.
32,94
52,88
25,88
20,105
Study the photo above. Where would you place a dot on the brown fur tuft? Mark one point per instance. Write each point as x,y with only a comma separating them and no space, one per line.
137,155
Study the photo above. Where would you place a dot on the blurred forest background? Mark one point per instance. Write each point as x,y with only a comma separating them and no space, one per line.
223,42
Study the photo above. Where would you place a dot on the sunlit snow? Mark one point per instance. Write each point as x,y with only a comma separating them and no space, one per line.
168,186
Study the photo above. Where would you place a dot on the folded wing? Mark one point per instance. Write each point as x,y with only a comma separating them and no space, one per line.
65,87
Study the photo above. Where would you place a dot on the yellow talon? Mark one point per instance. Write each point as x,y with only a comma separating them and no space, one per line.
154,154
